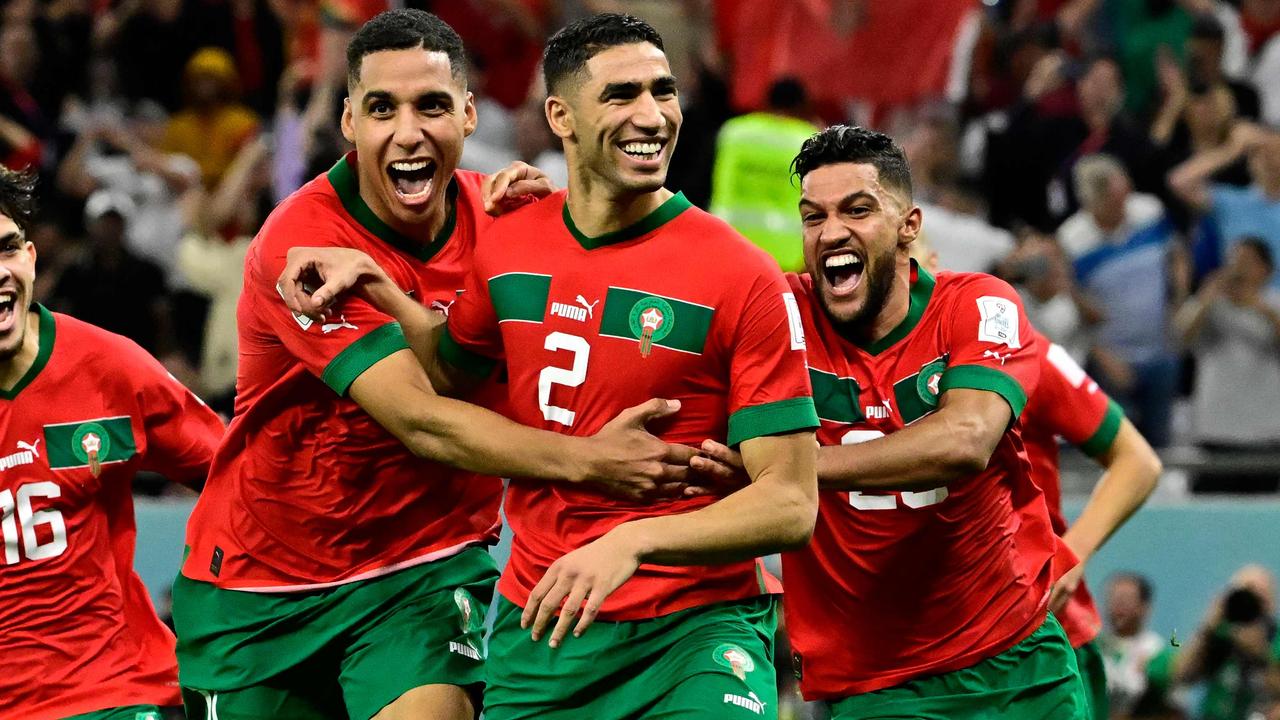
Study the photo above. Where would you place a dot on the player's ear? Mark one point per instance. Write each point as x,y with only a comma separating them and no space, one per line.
469,116
910,228
348,123
559,116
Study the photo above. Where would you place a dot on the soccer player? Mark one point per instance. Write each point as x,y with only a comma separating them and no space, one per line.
335,567
924,592
81,412
614,292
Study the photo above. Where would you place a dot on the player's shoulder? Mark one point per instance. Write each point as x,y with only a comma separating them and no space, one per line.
529,223
84,345
953,287
312,213
714,239
470,184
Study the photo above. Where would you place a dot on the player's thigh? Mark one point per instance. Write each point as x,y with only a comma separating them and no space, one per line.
297,696
432,702
427,636
1093,675
131,712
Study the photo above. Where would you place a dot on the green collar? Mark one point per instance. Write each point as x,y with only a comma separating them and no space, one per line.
660,216
42,355
346,183
921,291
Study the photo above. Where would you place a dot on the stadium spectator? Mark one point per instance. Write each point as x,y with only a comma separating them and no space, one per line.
1232,326
1127,644
25,126
959,232
213,125
1043,275
1205,48
751,185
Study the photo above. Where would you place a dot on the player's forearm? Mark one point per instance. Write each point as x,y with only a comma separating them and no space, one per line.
776,512
1133,468
927,455
422,328
1189,320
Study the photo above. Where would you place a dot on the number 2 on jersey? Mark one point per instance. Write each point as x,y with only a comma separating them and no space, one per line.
572,377
26,519
861,501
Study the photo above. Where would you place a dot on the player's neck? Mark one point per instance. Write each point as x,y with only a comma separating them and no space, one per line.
895,310
14,367
598,209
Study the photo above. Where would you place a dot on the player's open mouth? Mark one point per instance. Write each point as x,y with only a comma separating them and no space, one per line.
412,180
843,271
643,151
8,308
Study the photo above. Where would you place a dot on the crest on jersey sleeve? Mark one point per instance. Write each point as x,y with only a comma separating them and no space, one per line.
998,321
651,319
734,658
929,380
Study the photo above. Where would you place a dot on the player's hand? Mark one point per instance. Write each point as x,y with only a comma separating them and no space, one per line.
625,460
314,277
514,186
717,469
579,583
1065,588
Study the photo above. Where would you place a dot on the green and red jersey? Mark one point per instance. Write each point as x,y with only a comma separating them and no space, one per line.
899,585
79,631
308,491
1067,404
676,306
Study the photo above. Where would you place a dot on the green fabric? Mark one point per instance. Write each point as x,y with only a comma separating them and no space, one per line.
705,662
1036,678
131,712
835,398
367,642
917,394
775,418
684,324
752,187
362,355
345,182
921,292
1141,35
48,331
520,296
660,216
66,444
981,377
1100,441
459,357
1093,673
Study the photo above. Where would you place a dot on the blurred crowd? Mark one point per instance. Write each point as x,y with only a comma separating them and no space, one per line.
1118,160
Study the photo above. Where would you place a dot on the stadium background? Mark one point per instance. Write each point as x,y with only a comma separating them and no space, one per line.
165,130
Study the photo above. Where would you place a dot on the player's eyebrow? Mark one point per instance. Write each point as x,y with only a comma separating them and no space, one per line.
844,201
620,90
11,236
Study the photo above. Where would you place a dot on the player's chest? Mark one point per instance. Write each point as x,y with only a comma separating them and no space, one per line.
436,283
870,395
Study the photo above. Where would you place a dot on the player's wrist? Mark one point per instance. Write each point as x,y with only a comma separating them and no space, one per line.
632,540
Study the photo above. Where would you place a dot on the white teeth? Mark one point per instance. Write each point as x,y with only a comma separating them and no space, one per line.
841,260
409,166
637,148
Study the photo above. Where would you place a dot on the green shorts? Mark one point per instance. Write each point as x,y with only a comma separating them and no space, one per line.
346,651
714,661
1033,680
132,712
1093,673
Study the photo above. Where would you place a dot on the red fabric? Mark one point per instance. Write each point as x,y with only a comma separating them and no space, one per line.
80,633
747,361
307,488
901,52
1067,404
248,54
1258,31
922,585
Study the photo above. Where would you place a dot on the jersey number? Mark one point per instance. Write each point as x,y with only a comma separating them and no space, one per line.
27,519
573,377
924,498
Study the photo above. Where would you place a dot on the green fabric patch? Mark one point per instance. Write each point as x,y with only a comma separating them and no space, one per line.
660,216
917,395
672,323
68,445
981,377
454,354
362,355
1101,440
835,398
921,291
346,184
775,418
45,348
520,296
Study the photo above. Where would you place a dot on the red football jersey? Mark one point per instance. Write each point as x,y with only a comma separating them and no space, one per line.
307,490
1068,404
899,585
79,632
676,306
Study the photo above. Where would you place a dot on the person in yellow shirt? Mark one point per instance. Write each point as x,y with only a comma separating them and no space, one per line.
213,125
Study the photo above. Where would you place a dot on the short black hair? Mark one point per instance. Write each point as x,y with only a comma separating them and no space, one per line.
569,49
787,93
853,144
1263,250
18,196
1145,593
403,30
1207,27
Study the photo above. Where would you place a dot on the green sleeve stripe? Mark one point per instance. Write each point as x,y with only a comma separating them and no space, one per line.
775,418
1101,440
980,377
362,355
472,363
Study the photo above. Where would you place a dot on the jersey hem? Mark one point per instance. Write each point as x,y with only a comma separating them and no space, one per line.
472,363
774,418
361,355
981,377
1105,435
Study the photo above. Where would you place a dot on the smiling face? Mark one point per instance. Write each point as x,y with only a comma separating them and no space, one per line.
17,276
407,116
620,121
857,233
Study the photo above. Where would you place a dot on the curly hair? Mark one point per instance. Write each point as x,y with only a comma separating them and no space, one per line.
852,144
18,196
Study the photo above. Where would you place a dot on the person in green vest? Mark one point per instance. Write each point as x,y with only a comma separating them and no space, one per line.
751,186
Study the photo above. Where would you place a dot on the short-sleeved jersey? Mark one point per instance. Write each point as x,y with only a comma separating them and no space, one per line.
677,306
78,629
899,585
1067,404
308,490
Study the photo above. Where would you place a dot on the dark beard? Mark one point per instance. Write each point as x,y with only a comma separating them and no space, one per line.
879,279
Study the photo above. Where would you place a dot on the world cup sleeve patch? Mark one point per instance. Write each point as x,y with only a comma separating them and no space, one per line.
998,321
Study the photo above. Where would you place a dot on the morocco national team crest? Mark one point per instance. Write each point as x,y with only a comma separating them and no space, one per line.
927,382
90,443
736,659
652,319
